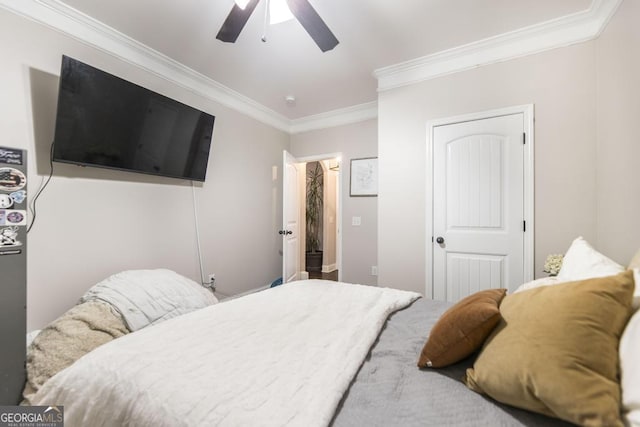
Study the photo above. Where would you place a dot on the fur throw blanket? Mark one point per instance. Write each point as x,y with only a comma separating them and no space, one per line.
77,332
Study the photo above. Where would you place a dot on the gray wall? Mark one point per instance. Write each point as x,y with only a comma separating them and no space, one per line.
587,179
618,130
561,84
359,243
92,223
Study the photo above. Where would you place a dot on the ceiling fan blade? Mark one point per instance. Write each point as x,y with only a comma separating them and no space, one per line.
235,22
313,24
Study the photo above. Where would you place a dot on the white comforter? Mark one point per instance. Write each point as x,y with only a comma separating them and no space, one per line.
284,356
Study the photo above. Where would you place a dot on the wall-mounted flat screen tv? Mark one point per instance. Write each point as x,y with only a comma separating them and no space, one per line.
105,121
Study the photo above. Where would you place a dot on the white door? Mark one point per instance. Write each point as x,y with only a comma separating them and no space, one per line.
478,206
290,220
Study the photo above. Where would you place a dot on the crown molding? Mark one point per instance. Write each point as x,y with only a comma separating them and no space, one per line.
564,31
62,18
339,117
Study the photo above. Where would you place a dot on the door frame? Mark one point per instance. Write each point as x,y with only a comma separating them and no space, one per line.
339,198
527,111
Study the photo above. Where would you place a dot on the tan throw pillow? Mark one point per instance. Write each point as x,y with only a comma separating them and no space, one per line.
556,350
462,329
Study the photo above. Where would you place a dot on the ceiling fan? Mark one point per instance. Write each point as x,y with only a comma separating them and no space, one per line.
301,9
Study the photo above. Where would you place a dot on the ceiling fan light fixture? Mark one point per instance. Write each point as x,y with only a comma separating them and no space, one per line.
279,12
242,3
301,10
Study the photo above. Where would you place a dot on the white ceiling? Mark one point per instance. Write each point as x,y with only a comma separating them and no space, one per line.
372,34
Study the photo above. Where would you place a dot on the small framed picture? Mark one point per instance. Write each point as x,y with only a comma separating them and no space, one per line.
364,177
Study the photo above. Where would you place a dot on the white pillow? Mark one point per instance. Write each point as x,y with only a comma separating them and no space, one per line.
636,292
630,369
549,281
147,297
545,281
635,261
583,262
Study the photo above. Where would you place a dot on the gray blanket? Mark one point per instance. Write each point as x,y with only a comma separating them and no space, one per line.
390,390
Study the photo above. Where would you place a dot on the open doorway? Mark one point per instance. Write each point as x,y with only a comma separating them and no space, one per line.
321,227
319,206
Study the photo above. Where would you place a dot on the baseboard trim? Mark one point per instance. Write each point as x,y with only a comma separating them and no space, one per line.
329,268
224,297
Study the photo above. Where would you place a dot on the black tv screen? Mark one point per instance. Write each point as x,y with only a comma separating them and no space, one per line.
105,121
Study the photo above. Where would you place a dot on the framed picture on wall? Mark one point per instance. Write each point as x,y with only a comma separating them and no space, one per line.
364,177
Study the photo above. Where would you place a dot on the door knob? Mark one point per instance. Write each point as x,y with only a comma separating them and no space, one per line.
288,232
439,240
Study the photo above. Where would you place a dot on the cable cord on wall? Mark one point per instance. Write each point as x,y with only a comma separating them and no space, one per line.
197,225
43,185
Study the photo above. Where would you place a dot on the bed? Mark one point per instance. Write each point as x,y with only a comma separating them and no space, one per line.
305,353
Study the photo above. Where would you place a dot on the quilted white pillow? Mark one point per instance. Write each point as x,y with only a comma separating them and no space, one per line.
630,369
147,297
583,262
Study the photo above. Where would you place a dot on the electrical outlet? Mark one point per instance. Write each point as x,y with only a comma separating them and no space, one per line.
374,270
212,279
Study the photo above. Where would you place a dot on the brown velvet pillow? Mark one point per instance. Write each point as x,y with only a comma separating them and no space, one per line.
556,350
462,329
